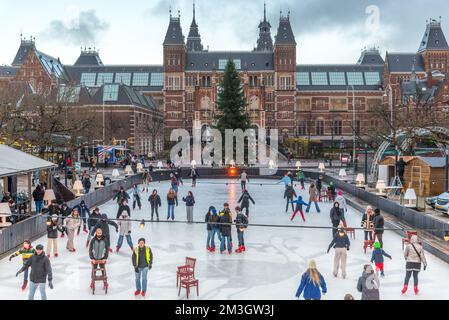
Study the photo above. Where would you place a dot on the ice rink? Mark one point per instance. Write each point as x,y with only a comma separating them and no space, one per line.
270,269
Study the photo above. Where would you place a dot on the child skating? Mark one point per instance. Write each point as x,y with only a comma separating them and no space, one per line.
299,203
26,252
378,258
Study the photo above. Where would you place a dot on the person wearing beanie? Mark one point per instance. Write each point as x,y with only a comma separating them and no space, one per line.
299,203
212,218
414,257
241,224
341,200
301,178
244,201
378,258
368,284
52,234
26,252
142,260
91,222
341,245
312,283
378,222
226,229
40,271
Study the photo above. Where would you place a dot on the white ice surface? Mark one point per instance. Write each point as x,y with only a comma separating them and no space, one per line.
270,269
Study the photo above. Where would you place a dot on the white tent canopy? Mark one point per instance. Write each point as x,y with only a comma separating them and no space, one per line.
15,162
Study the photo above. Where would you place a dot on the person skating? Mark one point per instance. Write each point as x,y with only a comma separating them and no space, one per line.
367,223
91,222
86,184
40,271
243,180
312,283
125,231
27,251
319,185
142,260
123,207
313,197
155,203
244,200
120,195
174,183
104,224
194,174
241,224
414,257
299,203
341,245
331,192
136,197
212,219
301,178
38,197
341,200
84,212
71,224
64,212
286,180
178,175
225,229
289,195
368,284
53,208
146,179
337,216
378,258
99,249
378,221
190,202
172,200
52,234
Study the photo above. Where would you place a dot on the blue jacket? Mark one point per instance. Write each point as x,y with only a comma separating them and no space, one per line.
378,256
299,202
311,291
286,180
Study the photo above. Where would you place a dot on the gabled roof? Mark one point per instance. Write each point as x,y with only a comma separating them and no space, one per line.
126,96
285,33
433,38
434,162
52,65
209,61
174,35
89,58
403,62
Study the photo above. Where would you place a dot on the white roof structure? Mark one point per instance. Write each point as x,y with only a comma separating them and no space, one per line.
14,162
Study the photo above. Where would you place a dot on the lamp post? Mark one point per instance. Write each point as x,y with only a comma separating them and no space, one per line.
366,161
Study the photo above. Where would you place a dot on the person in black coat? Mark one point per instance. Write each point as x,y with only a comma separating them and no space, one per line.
121,194
244,201
38,196
84,211
155,203
241,224
53,227
337,215
123,207
64,211
104,224
40,271
289,194
225,229
91,223
400,168
378,222
341,245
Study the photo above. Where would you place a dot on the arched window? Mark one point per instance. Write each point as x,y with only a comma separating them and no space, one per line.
319,127
338,127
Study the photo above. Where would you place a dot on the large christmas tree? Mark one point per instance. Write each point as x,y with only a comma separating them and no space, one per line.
231,101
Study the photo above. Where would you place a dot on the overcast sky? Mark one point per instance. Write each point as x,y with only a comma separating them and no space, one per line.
132,32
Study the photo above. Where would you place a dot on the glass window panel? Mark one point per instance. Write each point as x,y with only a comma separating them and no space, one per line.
238,64
157,79
302,79
69,94
337,78
88,79
104,78
141,79
355,78
372,78
222,64
319,79
110,92
124,78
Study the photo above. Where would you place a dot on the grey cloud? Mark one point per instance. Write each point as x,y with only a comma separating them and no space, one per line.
84,30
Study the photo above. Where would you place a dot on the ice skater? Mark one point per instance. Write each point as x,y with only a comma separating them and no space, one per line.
378,258
212,219
27,251
142,260
190,202
312,283
244,200
341,245
414,257
337,217
243,180
146,180
194,174
225,229
172,199
313,197
71,224
287,180
91,222
124,231
120,195
52,235
367,223
155,203
299,203
104,224
136,197
123,207
241,224
289,195
84,213
368,284
301,178
174,183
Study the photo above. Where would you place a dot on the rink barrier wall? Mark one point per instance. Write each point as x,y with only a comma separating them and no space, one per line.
33,228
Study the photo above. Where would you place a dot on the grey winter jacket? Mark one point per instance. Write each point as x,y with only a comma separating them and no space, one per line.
40,268
368,285
99,248
124,224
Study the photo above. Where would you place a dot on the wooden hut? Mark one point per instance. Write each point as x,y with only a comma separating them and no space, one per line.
424,174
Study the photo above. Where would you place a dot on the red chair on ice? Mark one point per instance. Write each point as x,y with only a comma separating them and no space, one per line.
188,281
186,271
